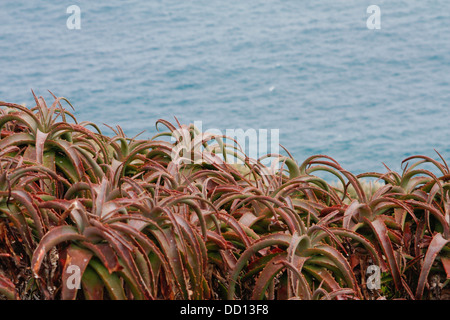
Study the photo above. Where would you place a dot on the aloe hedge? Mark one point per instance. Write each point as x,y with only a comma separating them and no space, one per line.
134,223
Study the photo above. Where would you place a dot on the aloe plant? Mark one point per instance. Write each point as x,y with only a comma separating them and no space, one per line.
139,220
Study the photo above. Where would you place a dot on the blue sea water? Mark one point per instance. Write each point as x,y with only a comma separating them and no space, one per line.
309,68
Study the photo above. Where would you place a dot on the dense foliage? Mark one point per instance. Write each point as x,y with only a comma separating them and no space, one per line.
136,224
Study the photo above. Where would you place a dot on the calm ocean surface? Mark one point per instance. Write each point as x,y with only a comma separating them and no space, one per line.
309,68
